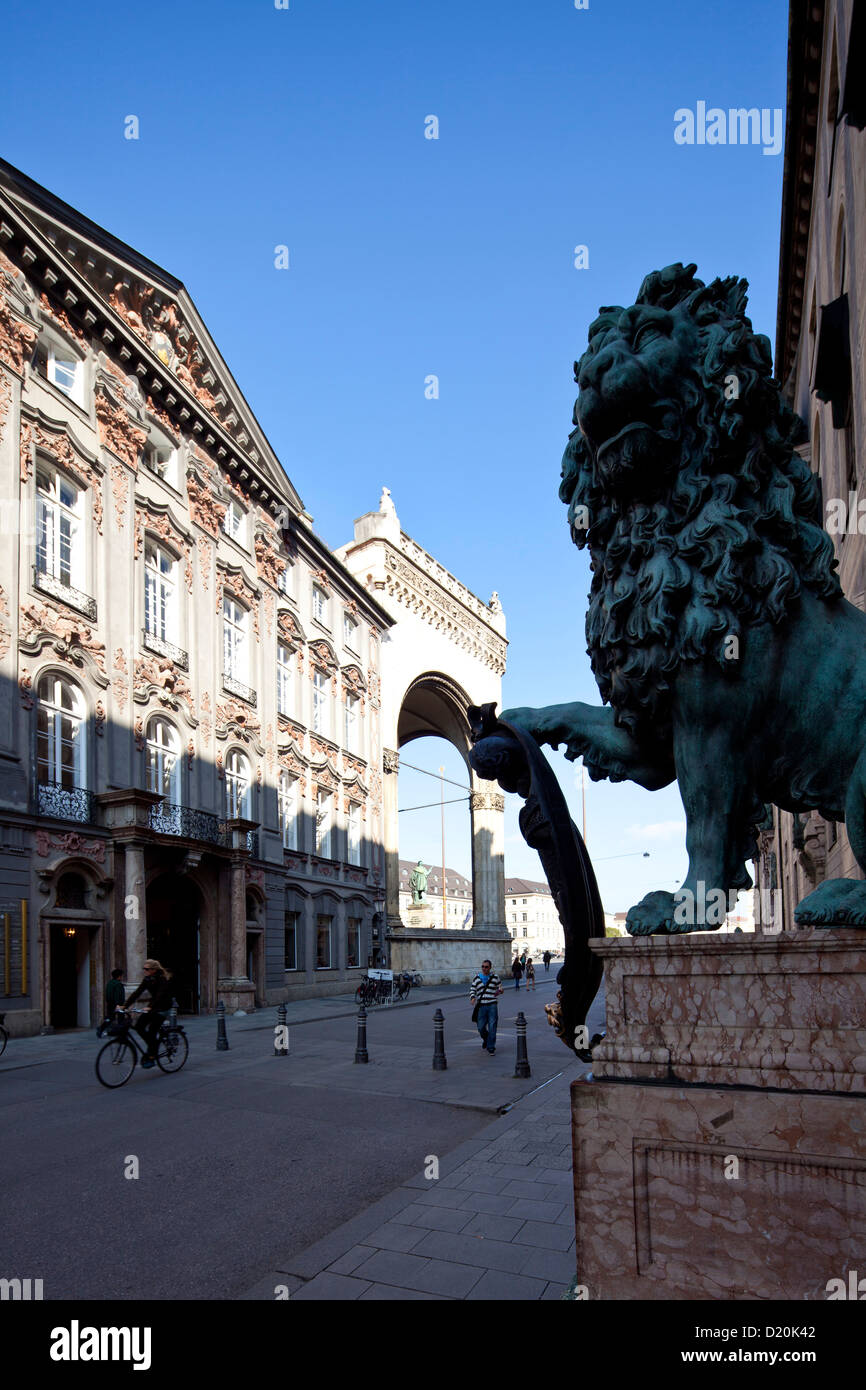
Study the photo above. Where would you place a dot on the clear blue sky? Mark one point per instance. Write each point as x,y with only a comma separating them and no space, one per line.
411,257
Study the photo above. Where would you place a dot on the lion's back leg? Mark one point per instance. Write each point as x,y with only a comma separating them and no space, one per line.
841,902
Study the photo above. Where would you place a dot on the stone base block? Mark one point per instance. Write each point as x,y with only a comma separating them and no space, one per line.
447,957
237,994
23,1023
699,1192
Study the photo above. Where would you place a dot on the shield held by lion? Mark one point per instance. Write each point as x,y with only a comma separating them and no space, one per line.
724,650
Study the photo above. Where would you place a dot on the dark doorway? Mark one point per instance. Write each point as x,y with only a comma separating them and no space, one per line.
64,977
173,911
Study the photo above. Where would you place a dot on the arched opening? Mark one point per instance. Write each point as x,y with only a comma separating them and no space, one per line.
174,935
435,830
73,974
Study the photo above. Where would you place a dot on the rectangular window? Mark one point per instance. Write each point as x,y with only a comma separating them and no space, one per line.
354,833
234,523
323,824
284,583
234,640
59,549
320,605
323,942
321,706
287,806
353,941
159,593
350,632
350,724
284,679
60,366
291,941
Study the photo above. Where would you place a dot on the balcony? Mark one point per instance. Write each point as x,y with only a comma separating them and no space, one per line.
233,687
65,803
50,584
183,821
163,648
187,824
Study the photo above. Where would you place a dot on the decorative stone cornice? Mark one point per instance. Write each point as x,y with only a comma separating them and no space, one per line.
417,582
71,638
390,760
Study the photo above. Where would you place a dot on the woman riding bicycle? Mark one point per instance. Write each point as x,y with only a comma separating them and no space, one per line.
156,983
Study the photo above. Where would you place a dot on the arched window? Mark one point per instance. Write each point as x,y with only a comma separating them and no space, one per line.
71,892
60,733
163,760
238,786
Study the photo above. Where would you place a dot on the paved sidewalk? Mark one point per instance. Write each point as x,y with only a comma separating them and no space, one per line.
497,1223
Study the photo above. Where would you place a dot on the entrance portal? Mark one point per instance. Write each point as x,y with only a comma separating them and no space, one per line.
64,977
173,911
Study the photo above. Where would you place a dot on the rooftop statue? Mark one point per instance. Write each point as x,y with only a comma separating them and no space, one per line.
724,650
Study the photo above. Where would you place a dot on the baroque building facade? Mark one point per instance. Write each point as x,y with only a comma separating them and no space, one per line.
190,680
821,362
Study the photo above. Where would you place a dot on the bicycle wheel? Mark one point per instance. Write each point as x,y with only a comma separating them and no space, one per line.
173,1050
4,1038
115,1063
360,995
417,979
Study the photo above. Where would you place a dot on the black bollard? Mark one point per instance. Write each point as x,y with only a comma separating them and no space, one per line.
281,1035
222,1040
521,1070
361,1054
172,1014
440,1062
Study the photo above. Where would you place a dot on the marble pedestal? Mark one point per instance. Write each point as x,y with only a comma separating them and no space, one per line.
720,1143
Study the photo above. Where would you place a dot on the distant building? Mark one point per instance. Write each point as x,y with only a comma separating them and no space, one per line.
532,918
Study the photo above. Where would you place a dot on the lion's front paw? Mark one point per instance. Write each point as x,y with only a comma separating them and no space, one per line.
654,913
838,902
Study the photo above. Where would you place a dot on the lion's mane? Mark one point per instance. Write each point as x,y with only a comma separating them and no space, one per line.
734,536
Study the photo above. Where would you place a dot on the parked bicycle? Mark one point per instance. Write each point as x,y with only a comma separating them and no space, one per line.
116,1061
4,1036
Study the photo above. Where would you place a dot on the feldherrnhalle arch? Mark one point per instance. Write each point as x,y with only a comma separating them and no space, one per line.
445,652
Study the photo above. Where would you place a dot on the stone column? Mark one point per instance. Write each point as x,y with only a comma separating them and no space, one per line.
236,990
391,839
488,861
135,912
238,954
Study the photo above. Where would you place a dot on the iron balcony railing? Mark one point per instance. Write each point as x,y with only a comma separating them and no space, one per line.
183,821
163,648
50,584
170,819
233,687
65,803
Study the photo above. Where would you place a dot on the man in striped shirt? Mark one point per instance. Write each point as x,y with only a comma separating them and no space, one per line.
484,991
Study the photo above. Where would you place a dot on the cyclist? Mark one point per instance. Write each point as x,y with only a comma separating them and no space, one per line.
156,983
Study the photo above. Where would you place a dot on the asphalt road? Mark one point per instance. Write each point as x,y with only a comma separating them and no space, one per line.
242,1158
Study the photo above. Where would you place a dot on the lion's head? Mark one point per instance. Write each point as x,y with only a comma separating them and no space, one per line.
682,478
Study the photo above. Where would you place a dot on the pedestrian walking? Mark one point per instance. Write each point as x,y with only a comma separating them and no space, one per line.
516,972
114,997
483,993
530,973
546,959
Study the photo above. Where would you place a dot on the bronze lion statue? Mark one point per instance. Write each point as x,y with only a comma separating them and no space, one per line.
724,650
